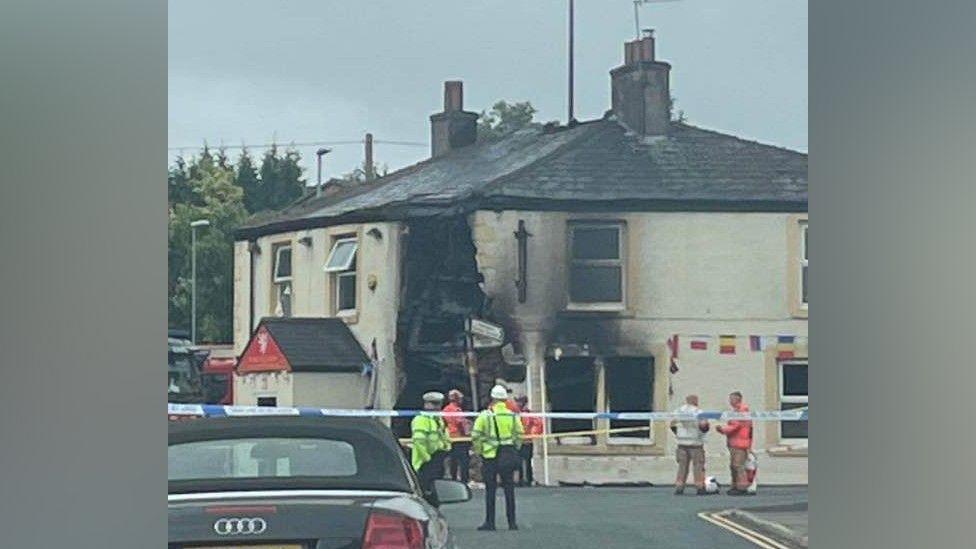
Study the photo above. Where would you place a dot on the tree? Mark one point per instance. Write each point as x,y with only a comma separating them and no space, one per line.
504,118
213,196
281,181
359,174
246,177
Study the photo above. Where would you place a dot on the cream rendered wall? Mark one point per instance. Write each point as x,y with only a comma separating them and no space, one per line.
332,390
687,273
247,388
375,318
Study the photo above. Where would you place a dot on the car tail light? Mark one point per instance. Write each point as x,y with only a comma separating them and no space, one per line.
388,531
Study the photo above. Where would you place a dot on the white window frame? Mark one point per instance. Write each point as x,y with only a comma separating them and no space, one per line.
621,262
338,272
804,263
282,284
277,259
791,399
349,265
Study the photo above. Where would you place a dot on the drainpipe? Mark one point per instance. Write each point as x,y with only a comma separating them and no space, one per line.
252,246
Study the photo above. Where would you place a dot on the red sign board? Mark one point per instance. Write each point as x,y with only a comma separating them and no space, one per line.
263,355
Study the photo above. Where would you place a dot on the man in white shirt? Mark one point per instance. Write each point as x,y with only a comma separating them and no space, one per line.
691,439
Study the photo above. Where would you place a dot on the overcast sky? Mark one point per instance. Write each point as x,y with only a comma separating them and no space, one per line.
330,70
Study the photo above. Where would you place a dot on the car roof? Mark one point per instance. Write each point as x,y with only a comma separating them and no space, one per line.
380,455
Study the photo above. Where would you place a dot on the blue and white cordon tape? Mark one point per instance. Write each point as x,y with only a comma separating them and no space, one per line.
215,410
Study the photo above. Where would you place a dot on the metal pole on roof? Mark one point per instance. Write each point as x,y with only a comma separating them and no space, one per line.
193,276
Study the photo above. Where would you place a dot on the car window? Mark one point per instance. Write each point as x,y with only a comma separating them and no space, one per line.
262,458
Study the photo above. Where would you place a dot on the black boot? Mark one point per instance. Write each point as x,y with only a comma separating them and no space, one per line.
486,527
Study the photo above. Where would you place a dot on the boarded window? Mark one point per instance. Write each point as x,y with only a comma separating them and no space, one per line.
571,387
629,385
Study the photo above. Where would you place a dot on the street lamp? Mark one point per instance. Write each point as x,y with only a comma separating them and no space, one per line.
193,276
318,184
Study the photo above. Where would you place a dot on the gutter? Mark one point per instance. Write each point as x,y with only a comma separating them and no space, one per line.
404,210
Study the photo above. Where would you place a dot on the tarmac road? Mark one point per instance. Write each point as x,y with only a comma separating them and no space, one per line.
609,518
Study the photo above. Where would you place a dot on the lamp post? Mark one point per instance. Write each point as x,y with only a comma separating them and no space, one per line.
318,184
193,276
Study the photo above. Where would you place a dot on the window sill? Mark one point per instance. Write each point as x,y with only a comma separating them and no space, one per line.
585,311
605,450
349,317
786,451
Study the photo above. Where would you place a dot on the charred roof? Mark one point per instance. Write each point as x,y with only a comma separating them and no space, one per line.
591,166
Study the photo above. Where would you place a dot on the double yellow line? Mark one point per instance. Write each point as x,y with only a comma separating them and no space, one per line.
718,519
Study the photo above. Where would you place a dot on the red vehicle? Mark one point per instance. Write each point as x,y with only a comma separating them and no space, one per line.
218,379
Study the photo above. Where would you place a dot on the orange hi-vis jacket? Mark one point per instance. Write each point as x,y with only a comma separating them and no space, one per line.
457,425
739,431
531,425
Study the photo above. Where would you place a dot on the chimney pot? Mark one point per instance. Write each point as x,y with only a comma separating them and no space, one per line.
453,95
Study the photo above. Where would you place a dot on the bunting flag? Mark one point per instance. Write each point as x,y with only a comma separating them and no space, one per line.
726,344
756,343
699,344
785,346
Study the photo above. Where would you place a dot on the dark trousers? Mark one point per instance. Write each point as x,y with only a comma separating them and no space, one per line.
525,470
460,461
431,470
490,473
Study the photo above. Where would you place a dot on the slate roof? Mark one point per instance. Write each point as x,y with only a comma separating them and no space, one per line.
317,344
591,166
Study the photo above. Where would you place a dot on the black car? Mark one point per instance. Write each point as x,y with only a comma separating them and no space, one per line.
296,482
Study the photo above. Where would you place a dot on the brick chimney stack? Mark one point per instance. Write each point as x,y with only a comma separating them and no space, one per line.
454,127
640,89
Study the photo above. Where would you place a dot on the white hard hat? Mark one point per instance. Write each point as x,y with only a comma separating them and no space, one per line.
433,396
711,485
499,392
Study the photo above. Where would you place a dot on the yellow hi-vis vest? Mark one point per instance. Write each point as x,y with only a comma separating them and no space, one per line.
483,437
429,436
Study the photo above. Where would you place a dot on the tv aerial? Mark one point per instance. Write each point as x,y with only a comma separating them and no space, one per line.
637,4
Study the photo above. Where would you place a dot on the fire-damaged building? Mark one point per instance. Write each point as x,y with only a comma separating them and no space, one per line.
629,261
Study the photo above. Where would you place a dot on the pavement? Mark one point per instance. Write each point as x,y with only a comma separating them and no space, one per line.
610,518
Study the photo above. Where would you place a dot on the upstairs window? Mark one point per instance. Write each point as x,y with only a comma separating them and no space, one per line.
341,266
596,270
281,279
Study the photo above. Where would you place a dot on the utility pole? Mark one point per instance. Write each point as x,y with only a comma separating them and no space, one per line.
571,48
193,276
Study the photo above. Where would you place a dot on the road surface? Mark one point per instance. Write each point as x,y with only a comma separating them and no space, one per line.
609,518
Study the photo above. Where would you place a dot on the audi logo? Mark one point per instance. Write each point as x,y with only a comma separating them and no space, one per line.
240,526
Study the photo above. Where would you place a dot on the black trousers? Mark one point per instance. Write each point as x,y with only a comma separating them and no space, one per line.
431,470
491,474
525,470
460,461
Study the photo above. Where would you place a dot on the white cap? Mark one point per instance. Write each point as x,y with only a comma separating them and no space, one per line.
433,396
499,392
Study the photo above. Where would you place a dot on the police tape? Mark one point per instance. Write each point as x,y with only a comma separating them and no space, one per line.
215,410
564,434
